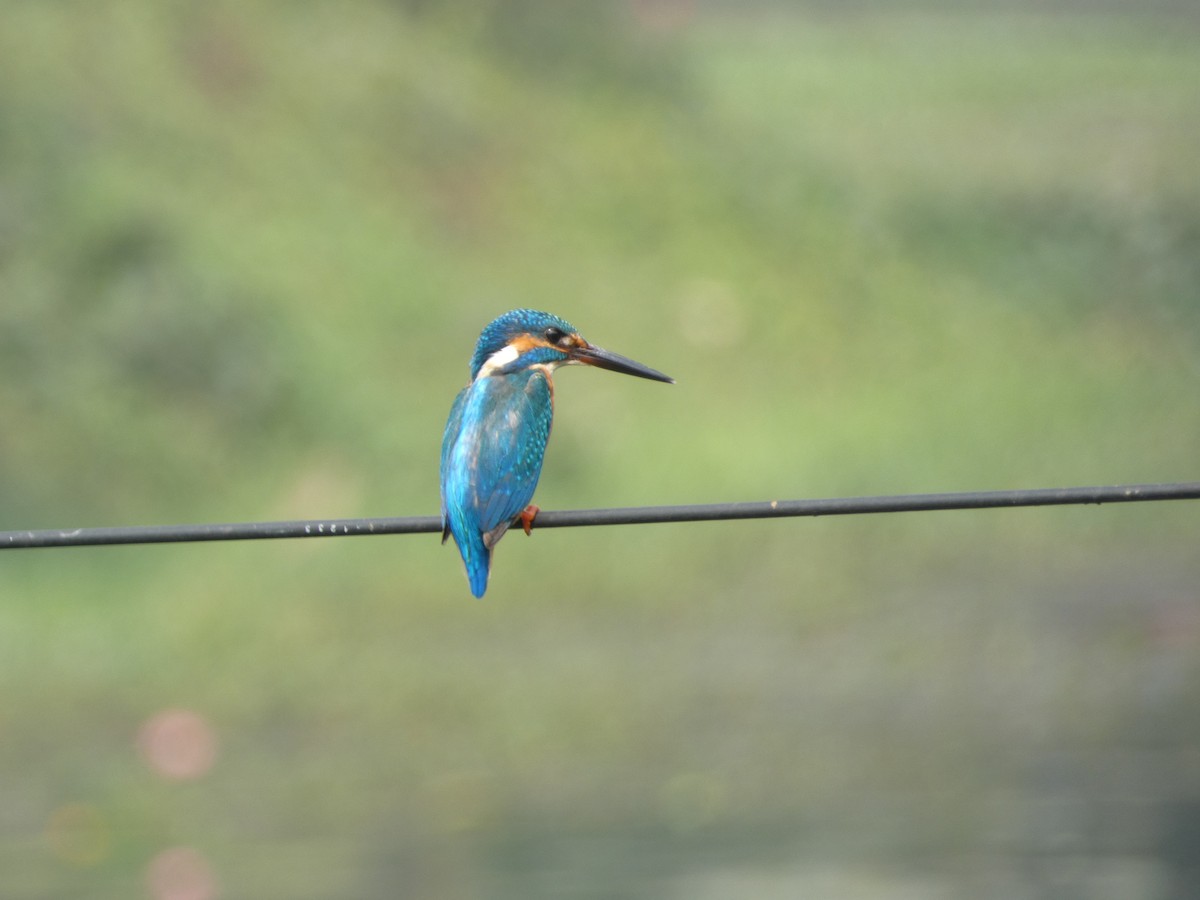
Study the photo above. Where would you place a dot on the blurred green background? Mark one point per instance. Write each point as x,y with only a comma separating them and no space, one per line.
245,252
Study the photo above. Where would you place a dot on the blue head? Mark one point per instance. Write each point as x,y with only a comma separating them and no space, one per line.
522,338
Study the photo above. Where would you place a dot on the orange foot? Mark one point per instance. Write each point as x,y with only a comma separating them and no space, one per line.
527,516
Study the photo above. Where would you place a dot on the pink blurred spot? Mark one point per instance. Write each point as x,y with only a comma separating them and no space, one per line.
1177,625
180,873
178,744
663,15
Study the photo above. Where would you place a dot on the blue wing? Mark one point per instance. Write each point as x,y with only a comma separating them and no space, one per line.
449,437
491,460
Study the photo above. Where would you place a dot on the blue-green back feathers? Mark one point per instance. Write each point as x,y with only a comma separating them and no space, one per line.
491,459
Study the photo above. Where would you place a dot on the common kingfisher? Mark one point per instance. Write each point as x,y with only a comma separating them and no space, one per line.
498,427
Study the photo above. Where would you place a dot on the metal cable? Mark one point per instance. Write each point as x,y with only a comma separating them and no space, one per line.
636,515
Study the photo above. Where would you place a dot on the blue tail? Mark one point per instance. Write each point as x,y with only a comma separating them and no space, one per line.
478,567
476,557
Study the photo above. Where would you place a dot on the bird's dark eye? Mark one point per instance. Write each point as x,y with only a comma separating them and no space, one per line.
555,335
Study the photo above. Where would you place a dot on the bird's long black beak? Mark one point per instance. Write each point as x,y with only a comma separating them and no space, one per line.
597,356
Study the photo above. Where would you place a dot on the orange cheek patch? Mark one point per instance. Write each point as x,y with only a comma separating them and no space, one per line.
526,342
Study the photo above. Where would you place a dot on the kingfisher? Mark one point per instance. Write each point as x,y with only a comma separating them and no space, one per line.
499,424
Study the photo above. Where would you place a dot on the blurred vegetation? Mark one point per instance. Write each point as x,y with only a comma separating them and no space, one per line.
245,250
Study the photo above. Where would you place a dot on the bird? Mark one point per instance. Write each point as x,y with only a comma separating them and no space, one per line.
496,434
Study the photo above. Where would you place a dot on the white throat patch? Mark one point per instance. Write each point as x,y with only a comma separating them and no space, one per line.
498,360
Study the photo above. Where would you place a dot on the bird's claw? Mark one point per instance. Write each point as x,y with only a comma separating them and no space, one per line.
527,516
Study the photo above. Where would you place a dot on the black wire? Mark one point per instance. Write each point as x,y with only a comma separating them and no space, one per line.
636,515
